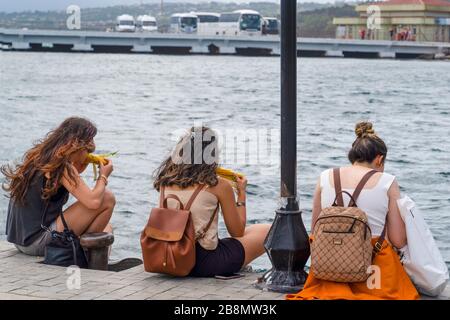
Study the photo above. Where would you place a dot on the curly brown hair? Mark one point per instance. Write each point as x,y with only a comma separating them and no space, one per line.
51,157
186,166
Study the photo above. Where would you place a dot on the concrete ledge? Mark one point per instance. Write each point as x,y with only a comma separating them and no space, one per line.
24,278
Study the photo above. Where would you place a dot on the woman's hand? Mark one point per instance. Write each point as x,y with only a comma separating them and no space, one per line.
106,169
241,184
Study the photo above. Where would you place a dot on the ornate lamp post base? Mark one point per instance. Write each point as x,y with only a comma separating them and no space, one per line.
287,245
282,281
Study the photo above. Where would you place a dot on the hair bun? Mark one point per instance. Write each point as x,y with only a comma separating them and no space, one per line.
364,129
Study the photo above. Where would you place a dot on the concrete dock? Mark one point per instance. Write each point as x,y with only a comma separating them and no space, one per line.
25,278
158,43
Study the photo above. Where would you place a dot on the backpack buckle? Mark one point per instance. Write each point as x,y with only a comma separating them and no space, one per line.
378,246
200,235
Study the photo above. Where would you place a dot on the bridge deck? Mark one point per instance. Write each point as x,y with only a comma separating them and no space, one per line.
152,42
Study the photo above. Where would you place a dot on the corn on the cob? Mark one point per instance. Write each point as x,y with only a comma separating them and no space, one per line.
228,174
97,159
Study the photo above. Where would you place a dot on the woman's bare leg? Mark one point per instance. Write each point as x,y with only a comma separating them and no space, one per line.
102,221
253,241
83,220
109,229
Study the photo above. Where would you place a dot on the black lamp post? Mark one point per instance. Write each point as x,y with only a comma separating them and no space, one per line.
287,243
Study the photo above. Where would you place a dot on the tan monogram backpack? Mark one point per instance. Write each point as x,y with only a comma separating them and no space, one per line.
341,248
168,240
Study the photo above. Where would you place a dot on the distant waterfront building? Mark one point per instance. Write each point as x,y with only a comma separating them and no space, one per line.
411,20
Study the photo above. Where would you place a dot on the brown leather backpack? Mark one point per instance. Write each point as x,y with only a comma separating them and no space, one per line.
168,240
341,248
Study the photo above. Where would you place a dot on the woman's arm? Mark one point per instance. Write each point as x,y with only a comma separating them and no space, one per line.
395,226
91,199
235,217
317,205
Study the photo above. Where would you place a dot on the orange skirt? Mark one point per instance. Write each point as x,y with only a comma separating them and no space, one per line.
393,283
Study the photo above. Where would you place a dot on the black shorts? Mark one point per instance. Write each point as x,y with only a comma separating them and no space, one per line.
226,259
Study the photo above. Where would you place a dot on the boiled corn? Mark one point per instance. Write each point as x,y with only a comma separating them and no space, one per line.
97,159
228,174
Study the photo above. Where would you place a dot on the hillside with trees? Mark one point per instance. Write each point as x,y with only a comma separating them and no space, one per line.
315,19
319,23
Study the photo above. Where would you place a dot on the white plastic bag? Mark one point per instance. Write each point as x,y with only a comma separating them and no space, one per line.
421,257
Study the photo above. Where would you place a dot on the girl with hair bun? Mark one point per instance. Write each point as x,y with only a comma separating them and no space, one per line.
378,199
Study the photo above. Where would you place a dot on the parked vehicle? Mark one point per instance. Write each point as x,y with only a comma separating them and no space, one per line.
146,23
271,26
183,23
240,22
125,23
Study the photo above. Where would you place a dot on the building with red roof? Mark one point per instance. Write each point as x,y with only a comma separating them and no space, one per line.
410,20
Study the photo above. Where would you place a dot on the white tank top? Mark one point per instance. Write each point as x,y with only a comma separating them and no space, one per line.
374,201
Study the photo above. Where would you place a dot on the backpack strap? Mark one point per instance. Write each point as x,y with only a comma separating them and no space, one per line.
335,204
339,201
172,196
161,196
360,186
163,204
202,234
163,199
45,209
379,244
337,187
194,195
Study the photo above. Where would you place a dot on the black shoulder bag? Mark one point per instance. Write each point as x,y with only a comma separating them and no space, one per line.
64,248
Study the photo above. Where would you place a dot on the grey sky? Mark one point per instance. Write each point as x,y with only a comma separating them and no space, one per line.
23,5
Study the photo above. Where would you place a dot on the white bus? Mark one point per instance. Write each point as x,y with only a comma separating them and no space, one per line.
183,23
207,22
240,22
125,23
146,23
207,17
